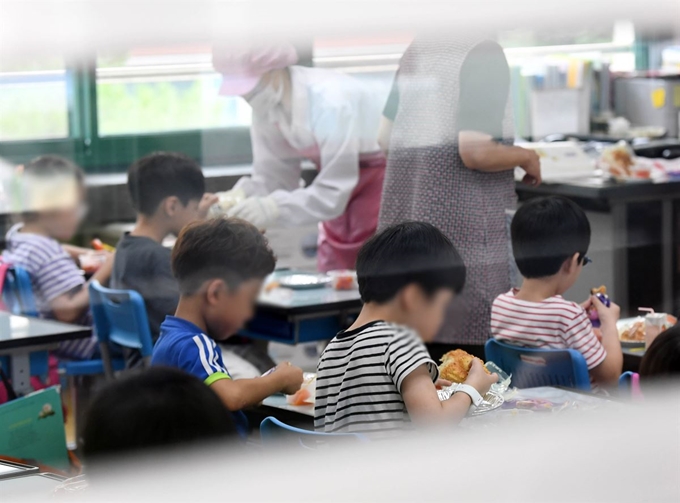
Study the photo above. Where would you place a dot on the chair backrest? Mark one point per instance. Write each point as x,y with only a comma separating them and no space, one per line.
120,316
629,384
275,432
17,291
532,367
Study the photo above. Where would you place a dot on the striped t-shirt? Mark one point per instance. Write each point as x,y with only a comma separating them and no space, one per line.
53,272
554,323
359,378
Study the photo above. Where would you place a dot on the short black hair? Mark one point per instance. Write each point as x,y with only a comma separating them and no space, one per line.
546,232
164,174
157,407
406,253
662,359
226,248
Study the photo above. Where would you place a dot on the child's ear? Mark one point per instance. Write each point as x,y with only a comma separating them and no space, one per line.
214,290
571,263
170,205
409,296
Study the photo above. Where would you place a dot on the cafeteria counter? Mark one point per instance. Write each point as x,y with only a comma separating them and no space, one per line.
634,239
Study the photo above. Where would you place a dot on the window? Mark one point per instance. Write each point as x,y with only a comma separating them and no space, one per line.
33,101
163,89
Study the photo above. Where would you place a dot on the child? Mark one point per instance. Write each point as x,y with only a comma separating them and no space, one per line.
550,239
662,358
220,265
52,207
377,376
159,407
168,192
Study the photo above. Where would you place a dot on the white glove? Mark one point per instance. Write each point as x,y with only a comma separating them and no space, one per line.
262,212
227,200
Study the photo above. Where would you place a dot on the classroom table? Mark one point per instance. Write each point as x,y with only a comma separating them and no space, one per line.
34,487
294,316
303,415
632,358
20,336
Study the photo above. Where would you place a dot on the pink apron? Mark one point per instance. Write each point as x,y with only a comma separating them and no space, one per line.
341,238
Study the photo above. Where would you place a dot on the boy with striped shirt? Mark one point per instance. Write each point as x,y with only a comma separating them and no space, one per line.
377,377
550,238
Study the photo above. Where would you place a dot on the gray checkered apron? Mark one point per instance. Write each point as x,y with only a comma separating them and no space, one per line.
427,181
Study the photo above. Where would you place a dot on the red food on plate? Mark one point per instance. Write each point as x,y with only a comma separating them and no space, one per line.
301,397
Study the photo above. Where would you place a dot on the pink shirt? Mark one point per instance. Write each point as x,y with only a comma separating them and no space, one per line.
554,323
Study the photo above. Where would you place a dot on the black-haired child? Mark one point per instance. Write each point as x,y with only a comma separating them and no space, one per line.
377,377
550,239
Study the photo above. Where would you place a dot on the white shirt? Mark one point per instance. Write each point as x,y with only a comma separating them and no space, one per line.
334,118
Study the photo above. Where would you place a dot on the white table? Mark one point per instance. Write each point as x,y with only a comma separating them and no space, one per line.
564,399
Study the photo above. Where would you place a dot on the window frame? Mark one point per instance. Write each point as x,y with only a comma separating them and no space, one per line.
112,154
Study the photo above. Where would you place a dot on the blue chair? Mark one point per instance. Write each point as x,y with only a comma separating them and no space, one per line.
120,318
532,367
17,292
17,295
274,432
629,385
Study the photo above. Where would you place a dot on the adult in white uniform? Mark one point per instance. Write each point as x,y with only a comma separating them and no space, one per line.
314,114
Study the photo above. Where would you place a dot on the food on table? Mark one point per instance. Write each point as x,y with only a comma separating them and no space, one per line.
622,164
306,395
635,331
343,279
272,285
301,397
99,245
456,366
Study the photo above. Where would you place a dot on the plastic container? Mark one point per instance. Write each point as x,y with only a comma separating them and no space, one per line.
91,262
343,279
654,325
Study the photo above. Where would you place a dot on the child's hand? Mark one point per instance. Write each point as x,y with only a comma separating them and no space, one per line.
608,315
207,201
290,377
479,379
442,383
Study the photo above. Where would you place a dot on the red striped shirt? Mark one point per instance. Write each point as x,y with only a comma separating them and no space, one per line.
554,323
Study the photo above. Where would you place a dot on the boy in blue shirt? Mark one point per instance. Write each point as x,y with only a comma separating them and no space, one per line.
220,265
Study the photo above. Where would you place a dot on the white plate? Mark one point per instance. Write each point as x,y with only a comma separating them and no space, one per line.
304,281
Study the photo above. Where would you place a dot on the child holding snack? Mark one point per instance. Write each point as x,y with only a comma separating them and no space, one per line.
219,265
550,239
377,377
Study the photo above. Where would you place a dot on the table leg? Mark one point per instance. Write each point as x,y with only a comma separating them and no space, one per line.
667,272
21,373
620,254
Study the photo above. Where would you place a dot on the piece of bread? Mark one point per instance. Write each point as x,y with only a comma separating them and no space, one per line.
456,366
600,289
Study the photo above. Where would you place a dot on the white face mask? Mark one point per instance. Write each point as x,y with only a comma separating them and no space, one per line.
266,98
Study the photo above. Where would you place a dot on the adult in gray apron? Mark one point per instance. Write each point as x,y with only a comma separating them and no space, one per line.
443,88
